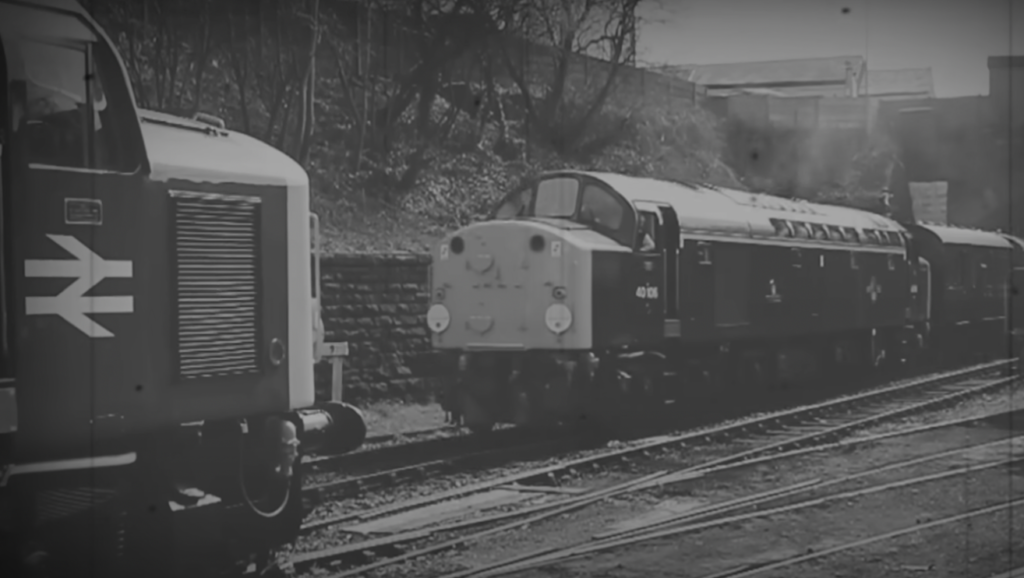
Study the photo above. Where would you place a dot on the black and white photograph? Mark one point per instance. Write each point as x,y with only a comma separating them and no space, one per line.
512,288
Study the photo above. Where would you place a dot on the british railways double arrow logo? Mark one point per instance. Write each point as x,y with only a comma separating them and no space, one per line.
88,269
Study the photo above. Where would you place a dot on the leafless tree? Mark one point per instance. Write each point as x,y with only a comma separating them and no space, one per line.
557,36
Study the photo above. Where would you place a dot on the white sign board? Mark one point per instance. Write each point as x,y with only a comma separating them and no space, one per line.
930,202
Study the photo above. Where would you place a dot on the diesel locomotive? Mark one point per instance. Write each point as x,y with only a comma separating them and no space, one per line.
585,293
159,323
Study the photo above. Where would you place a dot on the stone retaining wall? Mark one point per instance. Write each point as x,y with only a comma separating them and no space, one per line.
377,303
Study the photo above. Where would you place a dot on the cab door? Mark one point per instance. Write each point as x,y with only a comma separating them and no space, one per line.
76,158
648,280
668,236
663,228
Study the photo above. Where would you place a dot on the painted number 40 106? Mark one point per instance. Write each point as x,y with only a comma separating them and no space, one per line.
647,292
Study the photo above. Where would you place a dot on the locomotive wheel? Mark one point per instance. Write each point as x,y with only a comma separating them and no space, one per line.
604,402
755,374
474,416
522,408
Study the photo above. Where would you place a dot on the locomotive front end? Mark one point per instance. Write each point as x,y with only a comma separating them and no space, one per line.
159,306
510,286
511,307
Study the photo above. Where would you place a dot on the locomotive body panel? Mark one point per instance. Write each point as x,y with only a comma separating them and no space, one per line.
970,274
697,290
498,289
736,289
76,293
629,296
757,266
258,204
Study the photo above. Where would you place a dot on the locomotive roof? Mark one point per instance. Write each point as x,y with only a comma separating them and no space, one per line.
1014,240
962,236
702,207
187,149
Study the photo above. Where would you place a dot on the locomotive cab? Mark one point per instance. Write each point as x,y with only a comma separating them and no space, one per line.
564,266
560,240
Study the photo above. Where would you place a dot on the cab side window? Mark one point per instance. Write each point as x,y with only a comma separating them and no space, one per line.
75,101
647,232
56,130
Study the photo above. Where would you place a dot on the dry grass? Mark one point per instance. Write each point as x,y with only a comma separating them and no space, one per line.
388,417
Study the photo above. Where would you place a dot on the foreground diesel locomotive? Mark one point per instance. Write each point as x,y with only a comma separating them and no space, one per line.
158,323
585,293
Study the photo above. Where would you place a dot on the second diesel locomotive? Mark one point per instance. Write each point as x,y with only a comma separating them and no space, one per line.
585,292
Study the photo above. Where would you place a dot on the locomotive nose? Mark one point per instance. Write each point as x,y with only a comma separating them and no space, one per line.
502,284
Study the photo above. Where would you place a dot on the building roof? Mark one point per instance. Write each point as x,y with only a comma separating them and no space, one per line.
904,81
1005,62
961,236
820,70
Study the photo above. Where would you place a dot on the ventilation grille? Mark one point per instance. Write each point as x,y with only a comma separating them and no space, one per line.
216,275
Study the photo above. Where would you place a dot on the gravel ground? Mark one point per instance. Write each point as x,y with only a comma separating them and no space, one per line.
1007,399
579,526
959,549
384,418
981,540
665,559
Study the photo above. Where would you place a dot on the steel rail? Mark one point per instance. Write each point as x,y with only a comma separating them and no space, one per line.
699,519
821,435
641,446
445,454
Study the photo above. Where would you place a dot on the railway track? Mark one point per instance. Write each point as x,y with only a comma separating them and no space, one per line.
397,465
800,496
392,460
380,442
760,438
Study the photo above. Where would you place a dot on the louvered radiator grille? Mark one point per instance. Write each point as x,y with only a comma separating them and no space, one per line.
217,278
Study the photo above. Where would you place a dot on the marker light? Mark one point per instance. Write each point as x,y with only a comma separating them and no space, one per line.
558,318
438,318
537,243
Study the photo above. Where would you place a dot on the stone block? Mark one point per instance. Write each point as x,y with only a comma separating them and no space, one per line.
377,302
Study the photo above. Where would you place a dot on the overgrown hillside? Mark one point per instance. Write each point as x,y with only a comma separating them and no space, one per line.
411,117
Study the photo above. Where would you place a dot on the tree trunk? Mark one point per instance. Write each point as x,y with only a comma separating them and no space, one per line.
308,123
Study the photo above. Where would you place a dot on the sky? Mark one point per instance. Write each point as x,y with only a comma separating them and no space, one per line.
953,37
